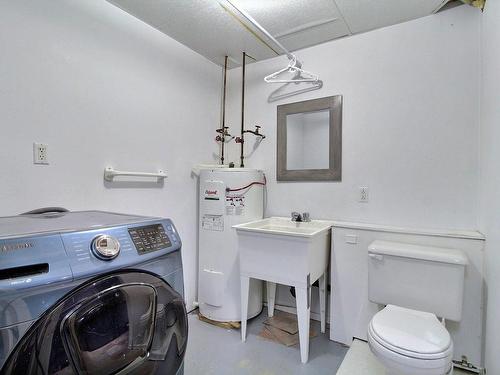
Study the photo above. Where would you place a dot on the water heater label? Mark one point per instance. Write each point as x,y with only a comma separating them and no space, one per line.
213,222
235,205
213,190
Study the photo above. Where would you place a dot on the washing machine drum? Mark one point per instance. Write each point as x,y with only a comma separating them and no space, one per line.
121,323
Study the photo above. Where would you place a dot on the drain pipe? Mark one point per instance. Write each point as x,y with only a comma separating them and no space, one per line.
242,139
223,126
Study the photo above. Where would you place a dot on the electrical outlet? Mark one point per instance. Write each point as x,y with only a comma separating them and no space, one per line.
363,194
40,155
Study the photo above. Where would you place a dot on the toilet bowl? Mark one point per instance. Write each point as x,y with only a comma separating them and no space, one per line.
410,342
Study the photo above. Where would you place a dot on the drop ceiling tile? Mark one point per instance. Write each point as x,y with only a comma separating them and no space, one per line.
364,15
279,16
150,11
297,23
202,25
314,35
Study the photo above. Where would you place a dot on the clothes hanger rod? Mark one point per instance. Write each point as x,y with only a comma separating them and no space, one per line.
294,65
243,14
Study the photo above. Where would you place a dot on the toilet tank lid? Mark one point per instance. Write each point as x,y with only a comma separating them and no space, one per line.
429,253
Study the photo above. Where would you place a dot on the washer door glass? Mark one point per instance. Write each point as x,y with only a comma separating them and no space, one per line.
121,323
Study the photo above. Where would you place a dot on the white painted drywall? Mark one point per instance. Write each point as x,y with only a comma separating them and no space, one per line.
490,174
102,88
410,124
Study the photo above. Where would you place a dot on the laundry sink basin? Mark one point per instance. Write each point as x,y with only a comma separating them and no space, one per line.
284,251
285,227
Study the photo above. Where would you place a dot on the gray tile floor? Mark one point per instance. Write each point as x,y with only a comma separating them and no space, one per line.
217,351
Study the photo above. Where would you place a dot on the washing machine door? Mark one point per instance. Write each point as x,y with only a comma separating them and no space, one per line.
129,322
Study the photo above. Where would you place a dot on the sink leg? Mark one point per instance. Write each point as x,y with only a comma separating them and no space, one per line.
271,295
303,316
322,300
245,288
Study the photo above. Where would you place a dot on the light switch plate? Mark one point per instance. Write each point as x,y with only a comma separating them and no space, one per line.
351,238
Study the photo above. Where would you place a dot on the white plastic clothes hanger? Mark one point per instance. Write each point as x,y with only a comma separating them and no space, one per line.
283,91
294,67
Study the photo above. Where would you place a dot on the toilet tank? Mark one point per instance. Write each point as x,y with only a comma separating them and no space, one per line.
417,277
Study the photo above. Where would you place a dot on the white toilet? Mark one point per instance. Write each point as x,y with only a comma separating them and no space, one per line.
417,284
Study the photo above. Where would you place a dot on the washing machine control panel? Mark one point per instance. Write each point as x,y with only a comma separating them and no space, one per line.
149,238
109,248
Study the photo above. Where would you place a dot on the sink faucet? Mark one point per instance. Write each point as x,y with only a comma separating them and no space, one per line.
300,218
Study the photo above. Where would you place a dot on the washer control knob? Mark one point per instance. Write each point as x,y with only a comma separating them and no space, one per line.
105,247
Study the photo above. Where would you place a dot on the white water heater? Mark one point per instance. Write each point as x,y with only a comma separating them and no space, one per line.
228,196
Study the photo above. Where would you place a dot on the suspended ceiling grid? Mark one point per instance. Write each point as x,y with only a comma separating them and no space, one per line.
207,28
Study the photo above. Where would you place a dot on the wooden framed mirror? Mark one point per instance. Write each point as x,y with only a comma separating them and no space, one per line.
310,140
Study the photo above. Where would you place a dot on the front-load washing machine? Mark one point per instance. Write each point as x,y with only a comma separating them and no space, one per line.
90,293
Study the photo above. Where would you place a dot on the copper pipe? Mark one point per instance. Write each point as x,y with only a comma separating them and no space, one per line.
223,126
242,139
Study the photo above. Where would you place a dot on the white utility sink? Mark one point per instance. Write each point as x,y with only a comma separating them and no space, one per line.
279,250
285,226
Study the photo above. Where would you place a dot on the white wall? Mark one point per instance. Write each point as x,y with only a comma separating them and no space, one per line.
410,123
102,88
490,176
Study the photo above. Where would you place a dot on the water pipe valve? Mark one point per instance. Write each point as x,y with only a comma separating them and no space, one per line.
256,132
223,133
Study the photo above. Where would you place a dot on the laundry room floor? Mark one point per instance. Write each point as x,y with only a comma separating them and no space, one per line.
360,361
219,351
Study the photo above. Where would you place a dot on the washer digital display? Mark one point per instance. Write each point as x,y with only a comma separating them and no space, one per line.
149,238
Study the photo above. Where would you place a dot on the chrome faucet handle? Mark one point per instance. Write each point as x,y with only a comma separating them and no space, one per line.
296,216
306,217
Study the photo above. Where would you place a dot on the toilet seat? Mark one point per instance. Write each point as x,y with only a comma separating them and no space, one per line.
411,333
411,341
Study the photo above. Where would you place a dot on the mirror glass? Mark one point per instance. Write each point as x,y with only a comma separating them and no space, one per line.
307,141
